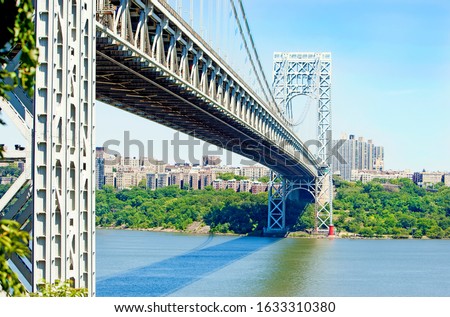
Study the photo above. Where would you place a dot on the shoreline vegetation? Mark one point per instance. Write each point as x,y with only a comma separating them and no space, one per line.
397,209
394,209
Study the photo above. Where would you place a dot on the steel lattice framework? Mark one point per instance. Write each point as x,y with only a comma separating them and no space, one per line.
54,198
307,74
63,156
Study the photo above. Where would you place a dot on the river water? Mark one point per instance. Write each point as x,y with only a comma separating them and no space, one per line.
140,263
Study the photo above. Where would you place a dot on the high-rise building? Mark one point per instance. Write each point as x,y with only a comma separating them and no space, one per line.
152,181
206,178
356,154
245,185
100,152
370,155
346,159
99,172
258,187
132,162
194,180
176,179
447,180
378,158
163,180
110,179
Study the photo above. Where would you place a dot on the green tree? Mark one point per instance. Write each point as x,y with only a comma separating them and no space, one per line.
366,232
230,176
142,183
417,233
17,30
59,289
447,233
307,219
407,221
12,241
264,179
435,232
21,33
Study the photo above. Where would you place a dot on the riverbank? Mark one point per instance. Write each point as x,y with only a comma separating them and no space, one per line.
198,228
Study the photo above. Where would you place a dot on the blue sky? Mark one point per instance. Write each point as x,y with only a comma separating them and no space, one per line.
391,73
391,67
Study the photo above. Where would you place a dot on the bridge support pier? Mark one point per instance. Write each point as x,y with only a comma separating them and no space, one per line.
276,221
63,144
279,189
54,198
323,196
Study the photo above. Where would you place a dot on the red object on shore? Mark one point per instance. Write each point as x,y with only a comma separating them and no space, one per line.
331,230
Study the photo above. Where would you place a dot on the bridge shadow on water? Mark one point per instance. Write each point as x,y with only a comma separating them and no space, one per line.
169,275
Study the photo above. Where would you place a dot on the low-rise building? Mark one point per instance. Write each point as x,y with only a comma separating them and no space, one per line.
255,172
258,187
427,179
447,180
5,180
366,176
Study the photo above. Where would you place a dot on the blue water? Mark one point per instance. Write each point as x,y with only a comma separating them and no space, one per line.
139,263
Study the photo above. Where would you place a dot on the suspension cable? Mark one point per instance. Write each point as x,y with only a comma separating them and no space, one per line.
272,98
241,31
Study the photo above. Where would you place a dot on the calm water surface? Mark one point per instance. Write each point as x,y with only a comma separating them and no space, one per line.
139,263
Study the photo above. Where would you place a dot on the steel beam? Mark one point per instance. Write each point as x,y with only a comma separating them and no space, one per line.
63,148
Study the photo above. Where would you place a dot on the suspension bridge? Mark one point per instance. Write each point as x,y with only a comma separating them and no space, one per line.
189,65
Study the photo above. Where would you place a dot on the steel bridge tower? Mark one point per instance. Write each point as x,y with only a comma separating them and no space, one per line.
306,74
54,199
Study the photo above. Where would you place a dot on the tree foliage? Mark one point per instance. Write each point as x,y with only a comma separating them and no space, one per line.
230,176
12,241
368,210
17,30
264,179
171,207
10,170
373,210
21,34
60,289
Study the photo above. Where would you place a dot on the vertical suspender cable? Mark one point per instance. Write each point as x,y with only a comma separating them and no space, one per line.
247,49
272,99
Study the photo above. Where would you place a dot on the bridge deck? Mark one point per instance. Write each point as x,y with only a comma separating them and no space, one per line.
126,82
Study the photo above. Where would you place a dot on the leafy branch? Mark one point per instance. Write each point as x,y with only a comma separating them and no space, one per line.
17,31
12,241
22,35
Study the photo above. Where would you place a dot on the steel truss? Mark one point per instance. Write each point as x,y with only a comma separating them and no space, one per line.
307,74
16,203
63,145
279,189
54,198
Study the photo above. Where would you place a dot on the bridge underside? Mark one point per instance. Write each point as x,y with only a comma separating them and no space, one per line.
128,83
